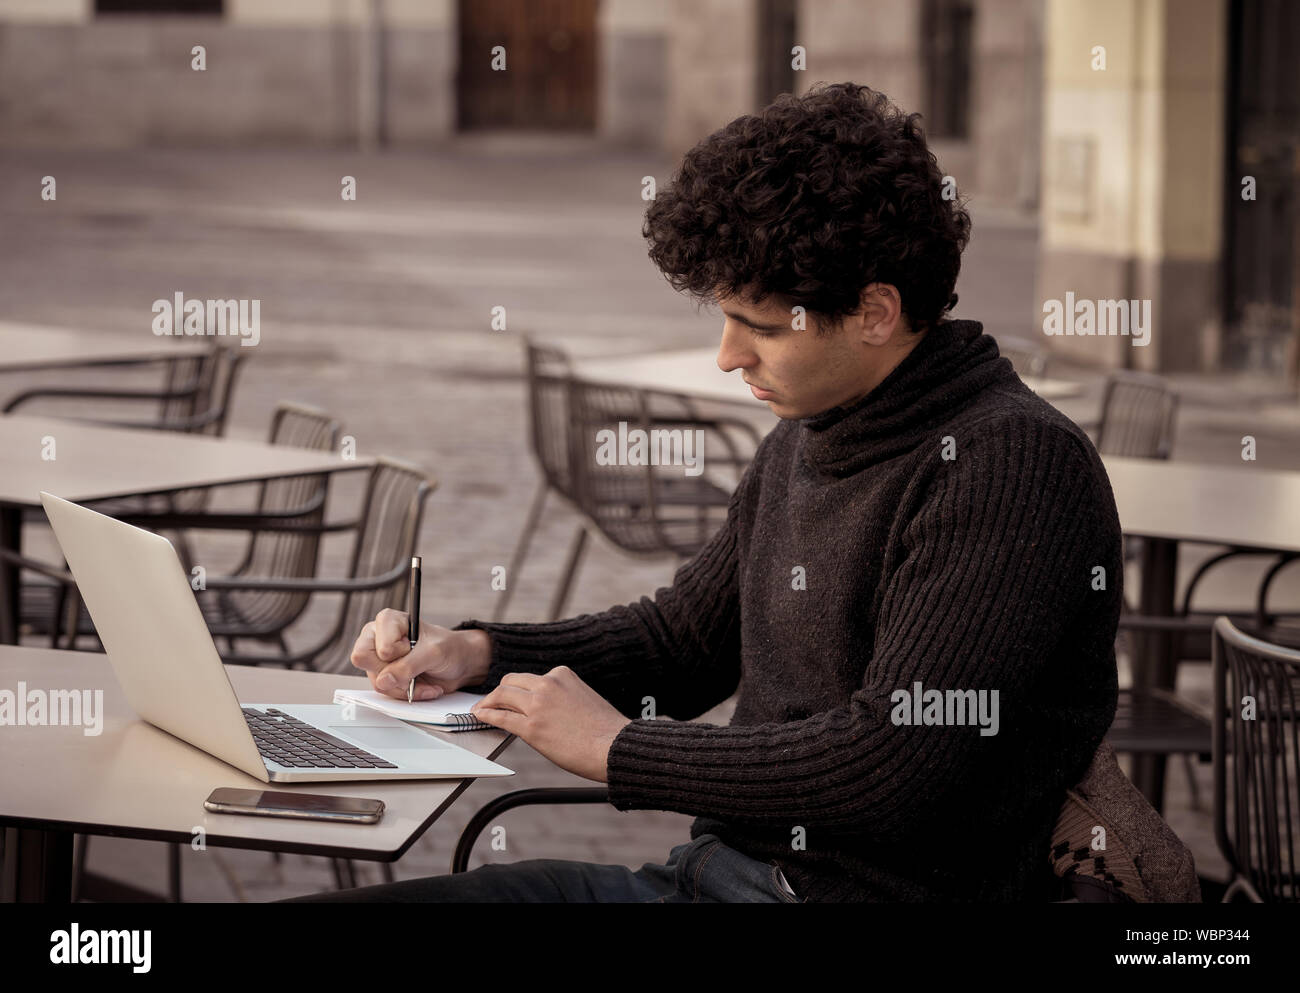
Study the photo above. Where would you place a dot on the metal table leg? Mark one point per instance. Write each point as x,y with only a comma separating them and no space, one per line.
1154,664
11,538
37,866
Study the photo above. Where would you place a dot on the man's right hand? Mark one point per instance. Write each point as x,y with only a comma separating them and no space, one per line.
443,660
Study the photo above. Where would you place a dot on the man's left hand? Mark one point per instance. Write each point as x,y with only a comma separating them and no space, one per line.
559,715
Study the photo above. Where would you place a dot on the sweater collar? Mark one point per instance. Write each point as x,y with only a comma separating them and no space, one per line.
953,362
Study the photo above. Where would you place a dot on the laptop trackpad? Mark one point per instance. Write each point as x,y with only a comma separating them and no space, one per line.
388,737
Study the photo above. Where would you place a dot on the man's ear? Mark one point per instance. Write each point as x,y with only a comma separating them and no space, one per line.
881,313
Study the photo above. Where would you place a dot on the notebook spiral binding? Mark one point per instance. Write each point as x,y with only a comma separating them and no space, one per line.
467,722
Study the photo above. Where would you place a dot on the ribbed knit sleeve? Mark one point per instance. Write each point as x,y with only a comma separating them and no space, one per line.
997,555
682,648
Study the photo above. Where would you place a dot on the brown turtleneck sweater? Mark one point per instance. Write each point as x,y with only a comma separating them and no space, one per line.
977,572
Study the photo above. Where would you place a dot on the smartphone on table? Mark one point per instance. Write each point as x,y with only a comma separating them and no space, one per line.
311,806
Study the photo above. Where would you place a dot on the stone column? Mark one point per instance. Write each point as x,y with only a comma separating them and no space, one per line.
873,44
712,77
1133,173
632,71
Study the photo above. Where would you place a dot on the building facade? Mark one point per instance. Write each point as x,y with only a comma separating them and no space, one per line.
1156,141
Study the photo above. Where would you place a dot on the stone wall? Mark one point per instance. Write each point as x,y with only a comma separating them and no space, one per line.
126,81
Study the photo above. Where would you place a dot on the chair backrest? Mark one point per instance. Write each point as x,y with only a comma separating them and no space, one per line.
672,506
205,412
1256,752
548,414
387,531
1135,855
186,384
1027,358
217,387
287,554
1138,412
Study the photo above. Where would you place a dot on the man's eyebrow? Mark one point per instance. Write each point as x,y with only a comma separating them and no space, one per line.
736,316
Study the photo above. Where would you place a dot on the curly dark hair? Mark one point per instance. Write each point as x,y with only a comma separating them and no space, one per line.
810,201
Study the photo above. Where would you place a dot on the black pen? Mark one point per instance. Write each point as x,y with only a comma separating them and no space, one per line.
413,616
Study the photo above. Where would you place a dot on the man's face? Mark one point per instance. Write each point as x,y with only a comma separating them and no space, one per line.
799,373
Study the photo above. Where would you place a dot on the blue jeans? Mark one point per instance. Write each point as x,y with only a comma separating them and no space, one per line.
700,871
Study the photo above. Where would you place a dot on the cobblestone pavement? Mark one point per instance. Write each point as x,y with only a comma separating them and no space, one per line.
379,311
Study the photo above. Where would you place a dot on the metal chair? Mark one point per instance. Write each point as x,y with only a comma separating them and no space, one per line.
1028,358
1139,412
53,608
1257,753
1150,861
265,616
548,384
204,411
649,509
1154,721
195,393
210,411
1138,415
643,510
386,531
194,398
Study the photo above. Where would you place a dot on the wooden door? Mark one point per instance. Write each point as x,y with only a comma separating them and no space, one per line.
549,81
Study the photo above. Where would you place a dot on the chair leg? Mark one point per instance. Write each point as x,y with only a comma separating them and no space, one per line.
1192,787
81,845
184,550
73,618
570,571
57,615
1241,884
521,549
174,872
386,870
344,876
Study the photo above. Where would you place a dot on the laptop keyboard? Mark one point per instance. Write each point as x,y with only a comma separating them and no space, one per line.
296,744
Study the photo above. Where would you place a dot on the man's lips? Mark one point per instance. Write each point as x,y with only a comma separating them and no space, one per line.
759,392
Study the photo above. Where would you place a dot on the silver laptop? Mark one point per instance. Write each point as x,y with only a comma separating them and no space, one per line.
149,621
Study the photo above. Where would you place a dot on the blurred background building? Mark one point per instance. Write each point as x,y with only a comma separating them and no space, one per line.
1130,127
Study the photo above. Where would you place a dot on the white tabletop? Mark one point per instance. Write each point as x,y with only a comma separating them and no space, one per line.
93,461
1221,505
695,372
136,781
24,347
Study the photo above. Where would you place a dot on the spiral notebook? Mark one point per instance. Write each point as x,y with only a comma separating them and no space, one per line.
449,712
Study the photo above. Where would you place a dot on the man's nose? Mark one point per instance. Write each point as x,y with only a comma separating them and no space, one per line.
732,353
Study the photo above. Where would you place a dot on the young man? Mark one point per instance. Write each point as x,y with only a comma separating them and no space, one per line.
916,589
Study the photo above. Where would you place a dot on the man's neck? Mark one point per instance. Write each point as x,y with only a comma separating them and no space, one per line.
881,373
